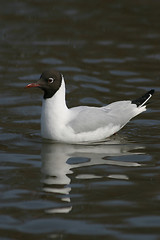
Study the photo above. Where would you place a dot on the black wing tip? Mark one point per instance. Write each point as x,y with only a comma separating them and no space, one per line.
152,91
142,100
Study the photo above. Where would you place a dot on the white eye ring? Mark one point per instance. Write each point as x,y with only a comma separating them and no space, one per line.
50,80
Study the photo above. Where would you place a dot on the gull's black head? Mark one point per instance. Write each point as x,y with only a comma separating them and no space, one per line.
50,81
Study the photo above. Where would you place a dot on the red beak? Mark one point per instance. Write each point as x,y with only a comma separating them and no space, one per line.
32,85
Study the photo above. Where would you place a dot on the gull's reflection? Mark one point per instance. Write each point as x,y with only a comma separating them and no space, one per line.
59,160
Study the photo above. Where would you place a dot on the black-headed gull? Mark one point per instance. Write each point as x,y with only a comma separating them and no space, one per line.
81,124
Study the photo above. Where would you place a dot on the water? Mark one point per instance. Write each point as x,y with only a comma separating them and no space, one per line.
107,51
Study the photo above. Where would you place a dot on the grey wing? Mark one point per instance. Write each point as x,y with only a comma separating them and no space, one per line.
91,118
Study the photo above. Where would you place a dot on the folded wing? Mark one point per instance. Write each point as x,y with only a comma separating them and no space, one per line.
87,119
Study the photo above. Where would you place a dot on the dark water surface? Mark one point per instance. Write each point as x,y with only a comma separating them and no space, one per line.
107,51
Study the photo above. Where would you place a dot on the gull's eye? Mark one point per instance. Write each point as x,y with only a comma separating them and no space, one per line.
50,80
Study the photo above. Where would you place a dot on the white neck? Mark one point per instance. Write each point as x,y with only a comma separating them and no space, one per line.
58,100
54,112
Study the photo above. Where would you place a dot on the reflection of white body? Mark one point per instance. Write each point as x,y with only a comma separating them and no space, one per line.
57,162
